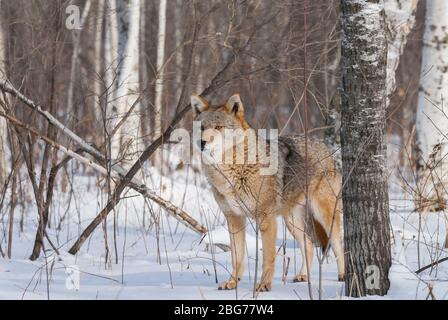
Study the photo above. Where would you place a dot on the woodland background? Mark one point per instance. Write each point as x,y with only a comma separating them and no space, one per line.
117,72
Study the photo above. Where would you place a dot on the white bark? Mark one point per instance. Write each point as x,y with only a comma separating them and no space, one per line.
4,149
160,62
432,118
110,58
128,90
400,19
98,59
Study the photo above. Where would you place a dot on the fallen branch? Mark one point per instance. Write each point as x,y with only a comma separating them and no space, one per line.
118,171
174,211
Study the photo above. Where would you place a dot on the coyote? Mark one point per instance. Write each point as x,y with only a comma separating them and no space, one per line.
241,192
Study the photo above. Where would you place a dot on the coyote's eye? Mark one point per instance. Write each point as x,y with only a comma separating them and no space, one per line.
218,127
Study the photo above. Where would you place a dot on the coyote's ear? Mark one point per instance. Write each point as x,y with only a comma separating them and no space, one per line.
198,104
235,106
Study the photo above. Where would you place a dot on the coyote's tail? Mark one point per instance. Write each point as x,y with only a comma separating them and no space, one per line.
321,236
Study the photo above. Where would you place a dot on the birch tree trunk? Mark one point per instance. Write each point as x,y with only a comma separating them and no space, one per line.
160,62
105,112
97,87
365,189
432,118
4,150
128,90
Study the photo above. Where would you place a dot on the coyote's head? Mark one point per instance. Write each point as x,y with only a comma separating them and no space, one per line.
216,119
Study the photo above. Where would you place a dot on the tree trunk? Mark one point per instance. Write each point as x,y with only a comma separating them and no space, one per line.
432,119
49,155
400,19
105,110
129,89
365,189
97,86
160,62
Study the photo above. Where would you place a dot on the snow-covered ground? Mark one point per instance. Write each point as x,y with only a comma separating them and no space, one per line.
172,262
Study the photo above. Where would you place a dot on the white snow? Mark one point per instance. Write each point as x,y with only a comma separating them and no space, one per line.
175,263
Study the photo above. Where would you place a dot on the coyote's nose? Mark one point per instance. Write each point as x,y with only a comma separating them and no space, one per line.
203,145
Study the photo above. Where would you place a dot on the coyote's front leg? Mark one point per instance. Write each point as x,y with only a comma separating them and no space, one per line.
268,227
237,233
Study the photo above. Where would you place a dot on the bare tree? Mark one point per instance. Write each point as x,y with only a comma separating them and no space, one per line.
365,188
160,62
128,140
432,119
111,58
97,88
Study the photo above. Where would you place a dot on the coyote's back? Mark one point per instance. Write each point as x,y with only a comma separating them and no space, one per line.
301,160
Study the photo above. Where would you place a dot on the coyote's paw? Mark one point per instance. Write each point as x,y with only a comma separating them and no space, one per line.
228,285
264,286
301,278
341,277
